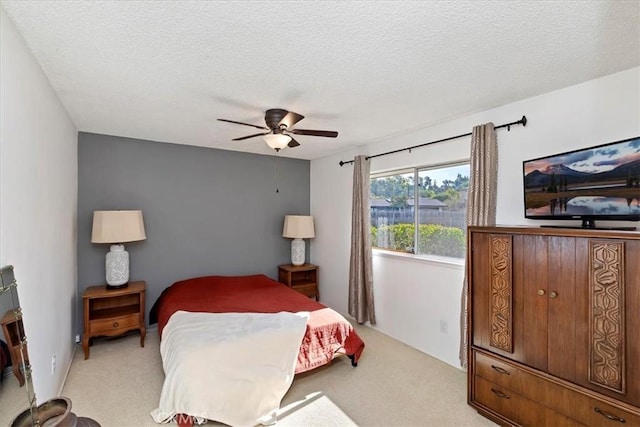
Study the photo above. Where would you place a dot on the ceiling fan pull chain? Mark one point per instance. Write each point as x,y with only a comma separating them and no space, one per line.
277,190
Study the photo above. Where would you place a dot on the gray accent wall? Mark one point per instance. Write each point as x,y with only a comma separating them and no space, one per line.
206,211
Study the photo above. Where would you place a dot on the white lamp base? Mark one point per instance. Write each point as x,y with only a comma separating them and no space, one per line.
297,252
117,267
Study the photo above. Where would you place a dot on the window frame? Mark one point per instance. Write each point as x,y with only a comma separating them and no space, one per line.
415,171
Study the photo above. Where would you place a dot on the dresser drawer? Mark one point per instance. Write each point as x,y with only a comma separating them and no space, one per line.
511,377
594,412
562,402
507,403
518,408
115,324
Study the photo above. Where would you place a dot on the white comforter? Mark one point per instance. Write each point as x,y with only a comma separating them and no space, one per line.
234,368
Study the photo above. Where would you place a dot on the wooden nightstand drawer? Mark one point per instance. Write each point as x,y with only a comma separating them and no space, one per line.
310,290
115,325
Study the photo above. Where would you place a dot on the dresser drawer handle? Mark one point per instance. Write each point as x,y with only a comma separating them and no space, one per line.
116,324
609,415
500,370
499,393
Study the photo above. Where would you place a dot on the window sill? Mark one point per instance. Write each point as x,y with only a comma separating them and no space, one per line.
425,259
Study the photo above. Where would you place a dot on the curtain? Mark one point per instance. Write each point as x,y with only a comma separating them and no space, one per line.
481,206
361,305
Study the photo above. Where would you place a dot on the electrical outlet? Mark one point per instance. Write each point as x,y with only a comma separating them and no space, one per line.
53,364
444,326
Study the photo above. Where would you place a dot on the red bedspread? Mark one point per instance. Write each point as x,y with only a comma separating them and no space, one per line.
327,333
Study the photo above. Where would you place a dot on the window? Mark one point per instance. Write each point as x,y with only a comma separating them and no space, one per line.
435,224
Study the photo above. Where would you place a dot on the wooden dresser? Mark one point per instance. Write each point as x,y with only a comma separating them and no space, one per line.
554,326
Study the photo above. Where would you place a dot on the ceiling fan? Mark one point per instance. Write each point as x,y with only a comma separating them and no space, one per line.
279,129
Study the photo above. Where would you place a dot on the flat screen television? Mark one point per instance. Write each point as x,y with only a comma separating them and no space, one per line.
590,184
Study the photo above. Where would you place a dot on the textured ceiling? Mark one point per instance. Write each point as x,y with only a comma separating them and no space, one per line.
166,70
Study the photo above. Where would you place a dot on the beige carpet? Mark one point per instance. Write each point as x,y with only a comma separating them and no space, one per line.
13,399
394,385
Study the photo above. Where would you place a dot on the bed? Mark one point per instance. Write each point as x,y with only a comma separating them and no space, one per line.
256,320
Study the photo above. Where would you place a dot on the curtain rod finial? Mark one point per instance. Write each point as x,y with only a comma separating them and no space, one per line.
524,120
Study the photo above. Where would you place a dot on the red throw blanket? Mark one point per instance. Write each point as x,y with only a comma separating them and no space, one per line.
327,333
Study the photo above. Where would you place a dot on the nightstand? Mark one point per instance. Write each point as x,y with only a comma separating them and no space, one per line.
302,278
112,312
14,334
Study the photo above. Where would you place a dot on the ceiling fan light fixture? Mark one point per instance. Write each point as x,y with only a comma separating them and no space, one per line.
277,141
278,129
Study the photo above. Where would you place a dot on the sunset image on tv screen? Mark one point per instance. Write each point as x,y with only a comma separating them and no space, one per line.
601,181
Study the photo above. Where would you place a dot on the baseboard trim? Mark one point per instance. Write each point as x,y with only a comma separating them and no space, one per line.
66,374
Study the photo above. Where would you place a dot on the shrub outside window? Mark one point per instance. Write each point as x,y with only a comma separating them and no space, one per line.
435,224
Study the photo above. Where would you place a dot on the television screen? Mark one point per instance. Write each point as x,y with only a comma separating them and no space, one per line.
601,182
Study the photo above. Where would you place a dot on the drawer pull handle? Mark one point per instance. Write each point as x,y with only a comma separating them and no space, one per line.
499,393
115,324
500,370
541,292
609,415
553,294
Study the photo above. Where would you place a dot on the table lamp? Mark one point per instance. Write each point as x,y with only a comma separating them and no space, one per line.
117,227
298,227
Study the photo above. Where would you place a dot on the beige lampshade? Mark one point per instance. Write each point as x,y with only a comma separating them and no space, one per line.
298,227
117,227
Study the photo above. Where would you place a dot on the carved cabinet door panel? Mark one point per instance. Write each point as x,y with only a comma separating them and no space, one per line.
608,303
514,288
496,286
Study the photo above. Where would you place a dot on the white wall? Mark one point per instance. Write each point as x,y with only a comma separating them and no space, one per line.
412,297
38,188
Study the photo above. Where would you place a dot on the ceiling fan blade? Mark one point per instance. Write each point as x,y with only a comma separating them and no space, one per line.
293,143
245,124
290,119
250,136
325,133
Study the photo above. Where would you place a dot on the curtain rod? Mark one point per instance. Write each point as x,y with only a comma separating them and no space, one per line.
522,121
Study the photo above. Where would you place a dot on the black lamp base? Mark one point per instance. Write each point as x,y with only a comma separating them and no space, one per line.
112,287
